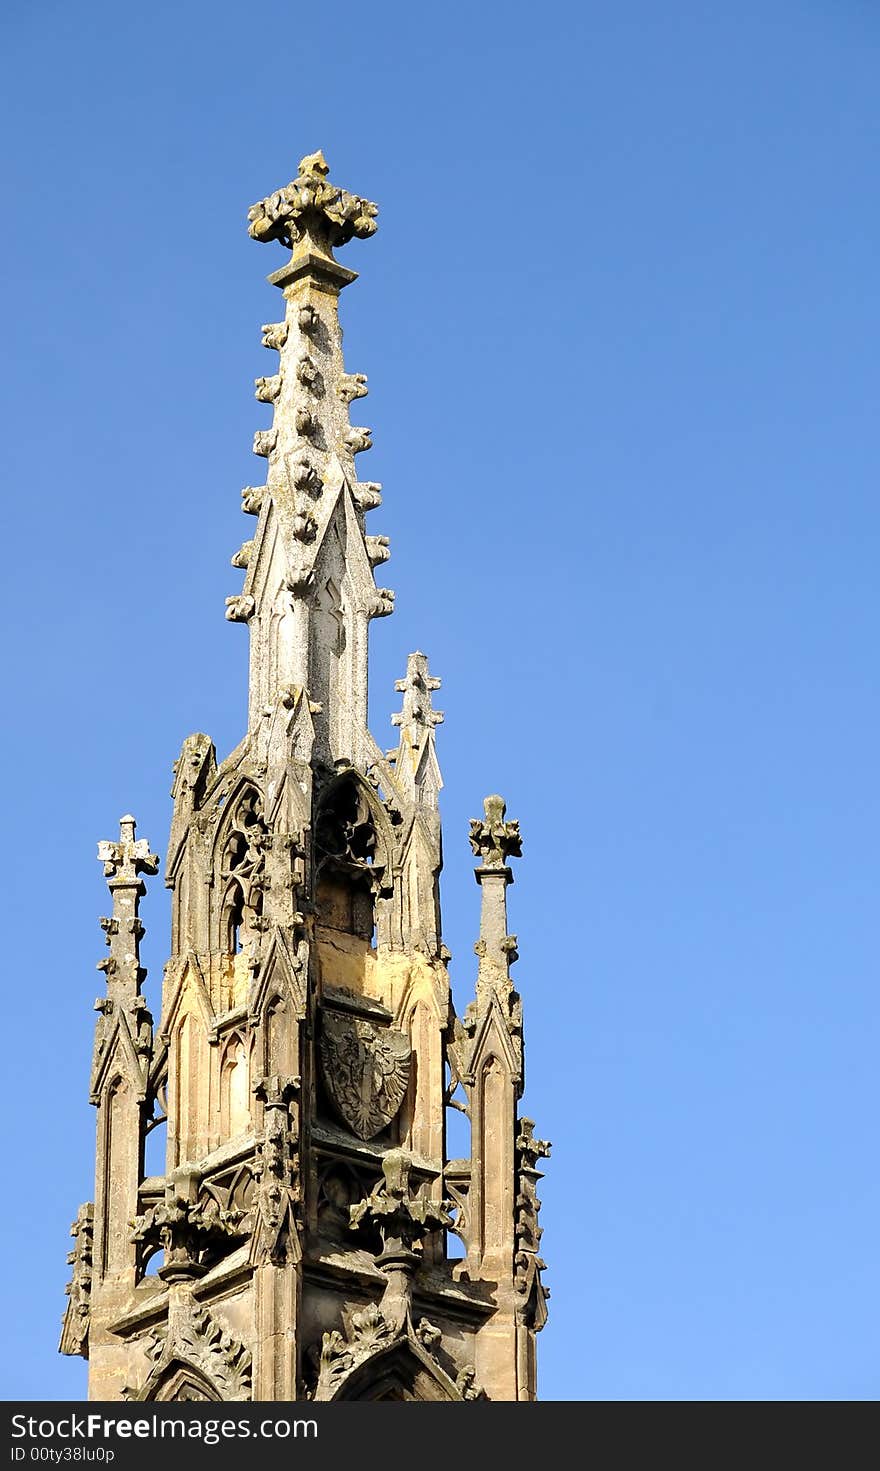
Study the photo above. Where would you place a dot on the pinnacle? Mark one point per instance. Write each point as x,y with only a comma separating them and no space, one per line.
417,687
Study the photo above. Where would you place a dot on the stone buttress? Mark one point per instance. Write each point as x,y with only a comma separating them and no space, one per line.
309,1239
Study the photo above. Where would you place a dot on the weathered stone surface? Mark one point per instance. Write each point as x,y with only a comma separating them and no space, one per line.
365,1070
308,1048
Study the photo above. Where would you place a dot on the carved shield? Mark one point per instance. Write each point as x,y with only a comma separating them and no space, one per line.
366,1071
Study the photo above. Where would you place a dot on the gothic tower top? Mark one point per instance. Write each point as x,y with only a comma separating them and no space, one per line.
310,1236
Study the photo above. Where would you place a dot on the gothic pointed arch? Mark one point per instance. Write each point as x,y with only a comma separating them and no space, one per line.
197,1359
280,977
278,1036
187,994
238,866
234,1086
354,850
181,1381
187,1106
231,917
353,832
401,1371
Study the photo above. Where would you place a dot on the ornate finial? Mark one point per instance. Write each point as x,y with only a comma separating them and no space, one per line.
129,857
493,839
403,1217
311,210
185,1227
415,757
418,714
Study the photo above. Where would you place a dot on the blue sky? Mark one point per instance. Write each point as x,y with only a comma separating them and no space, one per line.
620,322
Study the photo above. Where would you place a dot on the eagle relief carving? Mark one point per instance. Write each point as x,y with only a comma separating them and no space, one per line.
366,1071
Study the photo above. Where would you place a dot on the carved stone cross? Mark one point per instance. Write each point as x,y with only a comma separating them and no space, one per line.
125,860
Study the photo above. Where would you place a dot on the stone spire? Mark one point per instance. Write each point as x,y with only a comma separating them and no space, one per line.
124,1020
309,592
415,760
494,839
119,1084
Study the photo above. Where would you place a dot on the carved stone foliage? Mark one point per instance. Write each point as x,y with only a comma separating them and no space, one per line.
373,1360
305,476
310,204
528,1265
239,607
275,334
466,1384
75,1329
368,1331
252,497
275,1235
195,1359
403,1217
492,838
352,386
382,605
378,549
267,389
365,1070
307,423
358,439
308,374
265,441
191,1232
367,494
